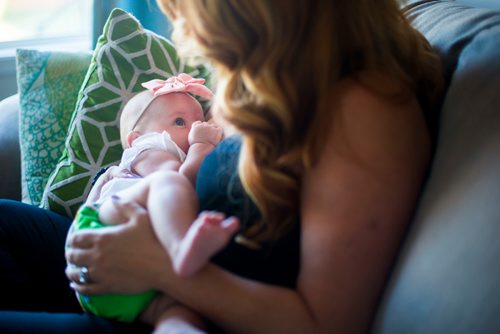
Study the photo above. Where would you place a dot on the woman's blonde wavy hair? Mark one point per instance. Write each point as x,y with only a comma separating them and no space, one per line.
276,62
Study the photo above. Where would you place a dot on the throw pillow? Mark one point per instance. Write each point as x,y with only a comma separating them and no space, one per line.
48,85
126,55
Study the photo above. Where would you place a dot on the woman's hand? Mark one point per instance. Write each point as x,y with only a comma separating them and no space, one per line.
125,258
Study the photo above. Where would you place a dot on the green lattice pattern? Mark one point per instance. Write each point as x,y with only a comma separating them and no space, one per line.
125,56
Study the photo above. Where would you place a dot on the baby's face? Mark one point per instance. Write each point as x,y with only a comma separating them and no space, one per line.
174,113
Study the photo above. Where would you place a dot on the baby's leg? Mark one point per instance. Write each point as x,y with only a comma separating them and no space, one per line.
110,215
179,319
209,233
169,317
173,206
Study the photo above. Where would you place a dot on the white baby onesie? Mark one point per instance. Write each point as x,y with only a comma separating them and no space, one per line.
154,140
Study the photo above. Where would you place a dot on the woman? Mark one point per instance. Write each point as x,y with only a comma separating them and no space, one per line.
331,102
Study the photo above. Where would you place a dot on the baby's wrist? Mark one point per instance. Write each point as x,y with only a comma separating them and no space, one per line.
203,142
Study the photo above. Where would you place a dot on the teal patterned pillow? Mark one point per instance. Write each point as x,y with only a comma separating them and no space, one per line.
125,56
48,85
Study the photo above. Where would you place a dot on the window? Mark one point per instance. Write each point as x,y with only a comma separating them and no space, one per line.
54,24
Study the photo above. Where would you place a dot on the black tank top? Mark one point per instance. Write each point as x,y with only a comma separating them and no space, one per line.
219,188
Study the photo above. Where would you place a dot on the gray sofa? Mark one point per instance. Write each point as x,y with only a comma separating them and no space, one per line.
447,276
10,161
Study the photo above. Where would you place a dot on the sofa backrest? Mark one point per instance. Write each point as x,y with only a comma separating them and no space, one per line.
10,168
447,278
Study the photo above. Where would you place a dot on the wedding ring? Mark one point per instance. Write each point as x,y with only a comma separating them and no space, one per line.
84,275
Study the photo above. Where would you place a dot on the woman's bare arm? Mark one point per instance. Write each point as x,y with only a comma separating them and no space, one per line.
356,204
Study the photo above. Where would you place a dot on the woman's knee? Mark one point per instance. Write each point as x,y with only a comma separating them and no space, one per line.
12,215
21,218
9,208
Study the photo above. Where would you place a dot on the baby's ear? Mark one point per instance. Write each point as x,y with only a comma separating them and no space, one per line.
132,135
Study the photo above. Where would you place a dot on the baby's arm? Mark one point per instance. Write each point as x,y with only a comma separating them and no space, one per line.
203,138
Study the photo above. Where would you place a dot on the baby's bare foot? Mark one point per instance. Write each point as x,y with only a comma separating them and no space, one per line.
208,234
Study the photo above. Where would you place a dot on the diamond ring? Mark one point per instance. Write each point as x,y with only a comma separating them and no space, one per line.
84,275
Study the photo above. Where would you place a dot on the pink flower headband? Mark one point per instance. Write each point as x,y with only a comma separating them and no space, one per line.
183,83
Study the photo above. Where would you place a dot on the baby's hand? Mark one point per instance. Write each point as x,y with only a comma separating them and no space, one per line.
205,133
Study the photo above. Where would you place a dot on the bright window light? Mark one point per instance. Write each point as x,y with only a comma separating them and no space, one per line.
28,22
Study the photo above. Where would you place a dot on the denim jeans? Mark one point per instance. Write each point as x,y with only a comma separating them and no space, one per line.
34,292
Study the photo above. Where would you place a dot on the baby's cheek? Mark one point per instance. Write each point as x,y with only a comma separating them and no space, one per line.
184,142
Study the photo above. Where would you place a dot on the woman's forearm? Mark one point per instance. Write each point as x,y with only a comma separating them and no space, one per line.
239,305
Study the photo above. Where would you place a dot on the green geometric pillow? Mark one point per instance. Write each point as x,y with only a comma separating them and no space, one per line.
126,55
48,85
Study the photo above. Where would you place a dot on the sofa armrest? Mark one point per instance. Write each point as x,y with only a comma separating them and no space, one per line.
10,169
446,277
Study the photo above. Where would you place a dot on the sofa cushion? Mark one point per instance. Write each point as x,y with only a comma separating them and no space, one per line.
125,56
446,279
48,84
10,180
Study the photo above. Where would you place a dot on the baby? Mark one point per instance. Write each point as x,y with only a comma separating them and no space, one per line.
165,139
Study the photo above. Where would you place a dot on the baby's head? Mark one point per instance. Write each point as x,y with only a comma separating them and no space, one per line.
170,109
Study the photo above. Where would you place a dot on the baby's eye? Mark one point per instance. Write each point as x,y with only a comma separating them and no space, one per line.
179,122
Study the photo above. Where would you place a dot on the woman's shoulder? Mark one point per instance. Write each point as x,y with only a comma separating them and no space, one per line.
372,98
374,88
375,116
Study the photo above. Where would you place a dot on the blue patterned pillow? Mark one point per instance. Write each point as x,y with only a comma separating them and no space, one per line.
48,85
